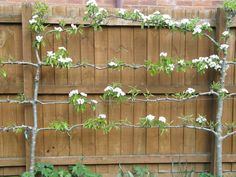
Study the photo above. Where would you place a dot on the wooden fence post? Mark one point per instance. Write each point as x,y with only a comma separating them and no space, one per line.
28,71
220,27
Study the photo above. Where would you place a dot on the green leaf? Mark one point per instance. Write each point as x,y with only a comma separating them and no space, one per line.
3,73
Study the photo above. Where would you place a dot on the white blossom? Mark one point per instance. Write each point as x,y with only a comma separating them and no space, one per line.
119,92
201,119
185,21
108,88
181,62
73,92
197,29
206,24
150,117
50,54
225,33
224,90
102,116
62,48
156,13
163,54
162,119
224,46
112,64
39,38
190,91
166,17
59,29
91,2
171,66
35,16
73,26
83,94
80,101
64,60
32,21
122,11
94,101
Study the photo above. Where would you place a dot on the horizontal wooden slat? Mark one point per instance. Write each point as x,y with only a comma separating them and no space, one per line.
123,159
110,22
12,162
10,18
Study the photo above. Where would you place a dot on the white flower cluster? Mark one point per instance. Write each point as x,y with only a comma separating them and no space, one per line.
224,90
39,38
171,67
33,20
73,92
162,119
163,54
112,64
76,92
181,62
224,46
64,60
102,116
58,29
94,101
60,59
121,11
199,28
74,27
80,101
150,117
115,90
225,34
190,91
213,62
62,48
91,3
201,119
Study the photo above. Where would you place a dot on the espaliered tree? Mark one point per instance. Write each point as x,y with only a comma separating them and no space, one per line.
95,17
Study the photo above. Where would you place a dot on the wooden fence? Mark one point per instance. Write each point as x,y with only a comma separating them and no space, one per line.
127,146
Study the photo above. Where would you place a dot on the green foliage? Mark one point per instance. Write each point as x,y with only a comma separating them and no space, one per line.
21,97
3,73
230,126
134,92
80,170
153,68
187,119
215,86
137,171
40,11
230,5
59,125
190,92
95,16
148,94
48,170
28,174
99,124
204,174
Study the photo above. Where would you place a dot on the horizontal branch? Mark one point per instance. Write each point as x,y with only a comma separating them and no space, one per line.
16,101
228,135
13,128
135,126
18,63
